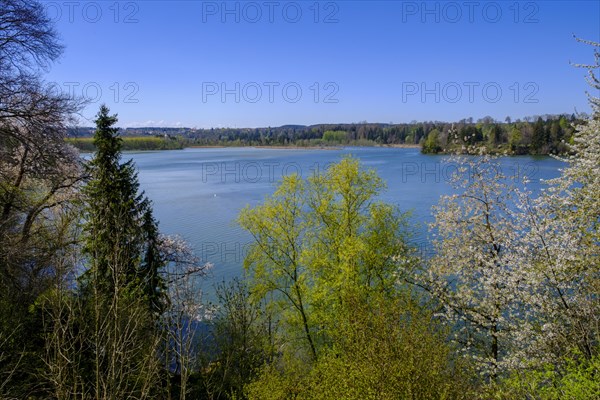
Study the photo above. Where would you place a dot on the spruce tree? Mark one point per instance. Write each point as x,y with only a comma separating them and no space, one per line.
122,243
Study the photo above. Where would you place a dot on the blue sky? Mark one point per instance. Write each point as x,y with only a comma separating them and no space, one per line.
269,63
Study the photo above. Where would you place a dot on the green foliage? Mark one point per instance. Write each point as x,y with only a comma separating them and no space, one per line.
274,259
121,233
432,143
329,261
576,378
335,136
319,241
515,139
356,245
394,352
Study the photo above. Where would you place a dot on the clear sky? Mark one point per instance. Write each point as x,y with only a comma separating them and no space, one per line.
269,63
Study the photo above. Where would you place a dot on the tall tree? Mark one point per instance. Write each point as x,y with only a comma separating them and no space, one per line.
123,289
321,245
121,234
539,138
475,272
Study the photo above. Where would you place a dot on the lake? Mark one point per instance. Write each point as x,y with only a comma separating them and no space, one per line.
198,192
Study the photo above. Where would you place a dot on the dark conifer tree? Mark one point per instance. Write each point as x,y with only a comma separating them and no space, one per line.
122,242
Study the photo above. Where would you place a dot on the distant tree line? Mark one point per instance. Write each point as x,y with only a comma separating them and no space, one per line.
548,134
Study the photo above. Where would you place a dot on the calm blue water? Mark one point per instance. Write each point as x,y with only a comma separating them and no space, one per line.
198,193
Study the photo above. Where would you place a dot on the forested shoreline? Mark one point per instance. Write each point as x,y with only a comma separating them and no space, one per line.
550,134
335,301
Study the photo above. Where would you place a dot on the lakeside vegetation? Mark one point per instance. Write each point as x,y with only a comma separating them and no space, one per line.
551,135
86,144
335,302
